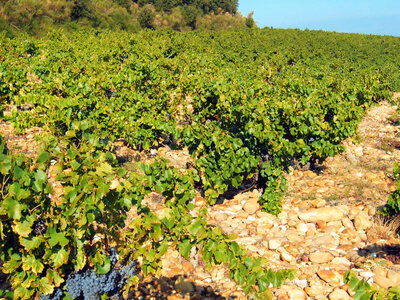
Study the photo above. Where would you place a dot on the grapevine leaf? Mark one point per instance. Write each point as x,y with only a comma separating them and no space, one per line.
23,229
103,169
45,286
184,248
105,268
57,238
43,157
13,208
195,227
31,263
22,293
80,260
59,258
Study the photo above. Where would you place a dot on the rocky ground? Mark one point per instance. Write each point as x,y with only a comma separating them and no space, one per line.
328,225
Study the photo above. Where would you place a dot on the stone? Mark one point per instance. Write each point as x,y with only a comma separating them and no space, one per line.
326,240
330,229
310,232
378,270
302,227
183,285
295,238
325,214
251,206
383,282
310,174
333,278
319,202
350,157
242,215
355,210
301,283
358,151
264,229
362,221
217,273
285,256
265,216
187,267
367,274
372,211
321,224
320,257
296,294
341,261
339,294
220,217
175,297
229,285
274,244
316,290
394,277
246,240
347,223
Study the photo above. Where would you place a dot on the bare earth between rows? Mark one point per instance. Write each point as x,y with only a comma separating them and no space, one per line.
328,224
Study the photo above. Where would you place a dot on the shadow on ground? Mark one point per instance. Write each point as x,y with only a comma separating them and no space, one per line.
174,288
388,252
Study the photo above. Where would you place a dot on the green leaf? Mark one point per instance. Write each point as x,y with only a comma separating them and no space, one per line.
184,248
45,286
44,157
104,169
249,262
30,263
22,293
57,238
59,258
32,242
12,264
18,192
40,175
75,165
23,229
106,267
221,256
263,283
22,175
13,208
40,179
195,227
168,223
80,260
54,277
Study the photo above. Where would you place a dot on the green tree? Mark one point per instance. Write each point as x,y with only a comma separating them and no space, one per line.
191,13
80,10
146,18
250,21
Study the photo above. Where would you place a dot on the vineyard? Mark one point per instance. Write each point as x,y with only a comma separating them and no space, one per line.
246,106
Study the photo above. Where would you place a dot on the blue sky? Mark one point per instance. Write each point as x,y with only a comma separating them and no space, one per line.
361,16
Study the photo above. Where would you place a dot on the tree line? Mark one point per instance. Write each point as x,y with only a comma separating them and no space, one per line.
37,17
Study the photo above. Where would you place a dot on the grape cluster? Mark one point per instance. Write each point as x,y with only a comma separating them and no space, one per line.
39,227
128,271
87,284
91,285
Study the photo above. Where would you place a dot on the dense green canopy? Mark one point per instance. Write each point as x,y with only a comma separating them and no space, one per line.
38,17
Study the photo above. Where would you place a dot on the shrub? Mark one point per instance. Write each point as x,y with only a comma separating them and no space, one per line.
146,18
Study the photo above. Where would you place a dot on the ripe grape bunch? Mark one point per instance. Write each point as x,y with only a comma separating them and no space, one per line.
88,285
39,227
